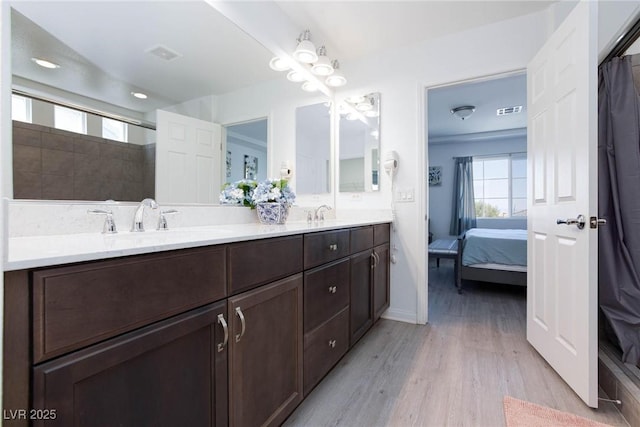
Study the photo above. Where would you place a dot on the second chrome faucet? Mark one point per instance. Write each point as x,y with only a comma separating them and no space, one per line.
138,217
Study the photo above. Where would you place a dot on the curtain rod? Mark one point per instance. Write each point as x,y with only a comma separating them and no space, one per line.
624,43
491,155
136,122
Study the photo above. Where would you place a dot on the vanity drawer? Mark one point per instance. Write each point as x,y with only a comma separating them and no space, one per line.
259,262
381,234
361,239
80,305
324,347
326,292
325,246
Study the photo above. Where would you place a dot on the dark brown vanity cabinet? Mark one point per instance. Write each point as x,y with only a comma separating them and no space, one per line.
265,357
171,373
369,278
223,335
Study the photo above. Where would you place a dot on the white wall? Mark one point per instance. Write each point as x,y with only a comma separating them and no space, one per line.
440,196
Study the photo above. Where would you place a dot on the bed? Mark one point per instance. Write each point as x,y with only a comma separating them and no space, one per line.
490,255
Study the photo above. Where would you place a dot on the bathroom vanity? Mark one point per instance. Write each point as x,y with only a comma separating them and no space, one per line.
231,331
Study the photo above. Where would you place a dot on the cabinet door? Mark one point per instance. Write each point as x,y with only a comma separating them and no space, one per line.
381,288
166,374
265,359
361,305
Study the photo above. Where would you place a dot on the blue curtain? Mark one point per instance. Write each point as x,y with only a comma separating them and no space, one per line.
463,212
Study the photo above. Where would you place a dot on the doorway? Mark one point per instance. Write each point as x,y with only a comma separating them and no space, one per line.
492,131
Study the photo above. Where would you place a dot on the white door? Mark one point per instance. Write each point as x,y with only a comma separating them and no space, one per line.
187,159
562,166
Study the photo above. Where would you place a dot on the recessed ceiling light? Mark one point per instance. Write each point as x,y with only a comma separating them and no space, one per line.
139,95
44,63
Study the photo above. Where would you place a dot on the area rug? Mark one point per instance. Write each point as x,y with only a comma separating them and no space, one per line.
519,413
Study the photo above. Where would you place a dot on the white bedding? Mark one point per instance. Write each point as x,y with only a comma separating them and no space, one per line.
491,246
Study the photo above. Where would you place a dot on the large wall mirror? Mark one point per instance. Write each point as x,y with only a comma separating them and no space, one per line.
313,149
359,141
102,55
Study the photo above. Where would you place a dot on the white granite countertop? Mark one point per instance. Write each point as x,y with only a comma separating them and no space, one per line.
41,251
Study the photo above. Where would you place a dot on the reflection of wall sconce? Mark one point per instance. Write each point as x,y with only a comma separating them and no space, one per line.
361,107
314,60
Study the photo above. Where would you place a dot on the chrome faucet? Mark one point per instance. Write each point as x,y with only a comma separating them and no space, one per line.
319,215
138,221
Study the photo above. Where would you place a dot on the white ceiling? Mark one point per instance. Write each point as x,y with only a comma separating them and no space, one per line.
104,57
487,96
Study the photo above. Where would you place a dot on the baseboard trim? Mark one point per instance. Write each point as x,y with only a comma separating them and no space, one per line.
400,316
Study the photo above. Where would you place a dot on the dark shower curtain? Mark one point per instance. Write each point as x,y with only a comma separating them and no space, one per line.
619,204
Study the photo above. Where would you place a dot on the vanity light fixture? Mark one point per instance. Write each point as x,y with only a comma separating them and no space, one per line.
365,105
463,112
305,63
322,66
306,51
44,63
139,95
336,79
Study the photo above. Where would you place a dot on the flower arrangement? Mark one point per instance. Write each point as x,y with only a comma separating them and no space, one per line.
249,193
238,193
273,191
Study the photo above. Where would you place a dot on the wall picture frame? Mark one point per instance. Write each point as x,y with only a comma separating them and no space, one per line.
435,175
250,167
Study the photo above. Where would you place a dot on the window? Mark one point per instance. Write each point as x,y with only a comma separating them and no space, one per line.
500,186
69,119
21,108
114,129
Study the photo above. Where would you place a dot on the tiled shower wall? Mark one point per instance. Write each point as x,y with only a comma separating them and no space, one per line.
59,165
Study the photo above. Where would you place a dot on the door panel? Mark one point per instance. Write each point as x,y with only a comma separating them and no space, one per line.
562,259
188,159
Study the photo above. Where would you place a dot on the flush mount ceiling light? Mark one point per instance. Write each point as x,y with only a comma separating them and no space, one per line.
322,67
463,112
306,51
279,64
44,63
336,79
139,95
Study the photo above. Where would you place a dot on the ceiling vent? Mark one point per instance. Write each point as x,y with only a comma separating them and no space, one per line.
163,52
508,110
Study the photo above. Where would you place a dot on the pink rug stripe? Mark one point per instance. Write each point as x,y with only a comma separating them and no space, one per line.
519,413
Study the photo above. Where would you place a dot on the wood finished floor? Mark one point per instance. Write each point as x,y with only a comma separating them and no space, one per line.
454,371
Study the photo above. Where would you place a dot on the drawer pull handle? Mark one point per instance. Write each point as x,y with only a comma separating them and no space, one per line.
373,260
226,332
332,343
333,247
241,316
333,289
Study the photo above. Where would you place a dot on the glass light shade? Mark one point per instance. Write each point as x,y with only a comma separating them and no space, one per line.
295,76
278,64
309,86
364,106
463,112
371,113
336,79
306,52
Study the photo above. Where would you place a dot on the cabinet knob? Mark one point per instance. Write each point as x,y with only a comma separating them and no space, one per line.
333,247
332,343
333,289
